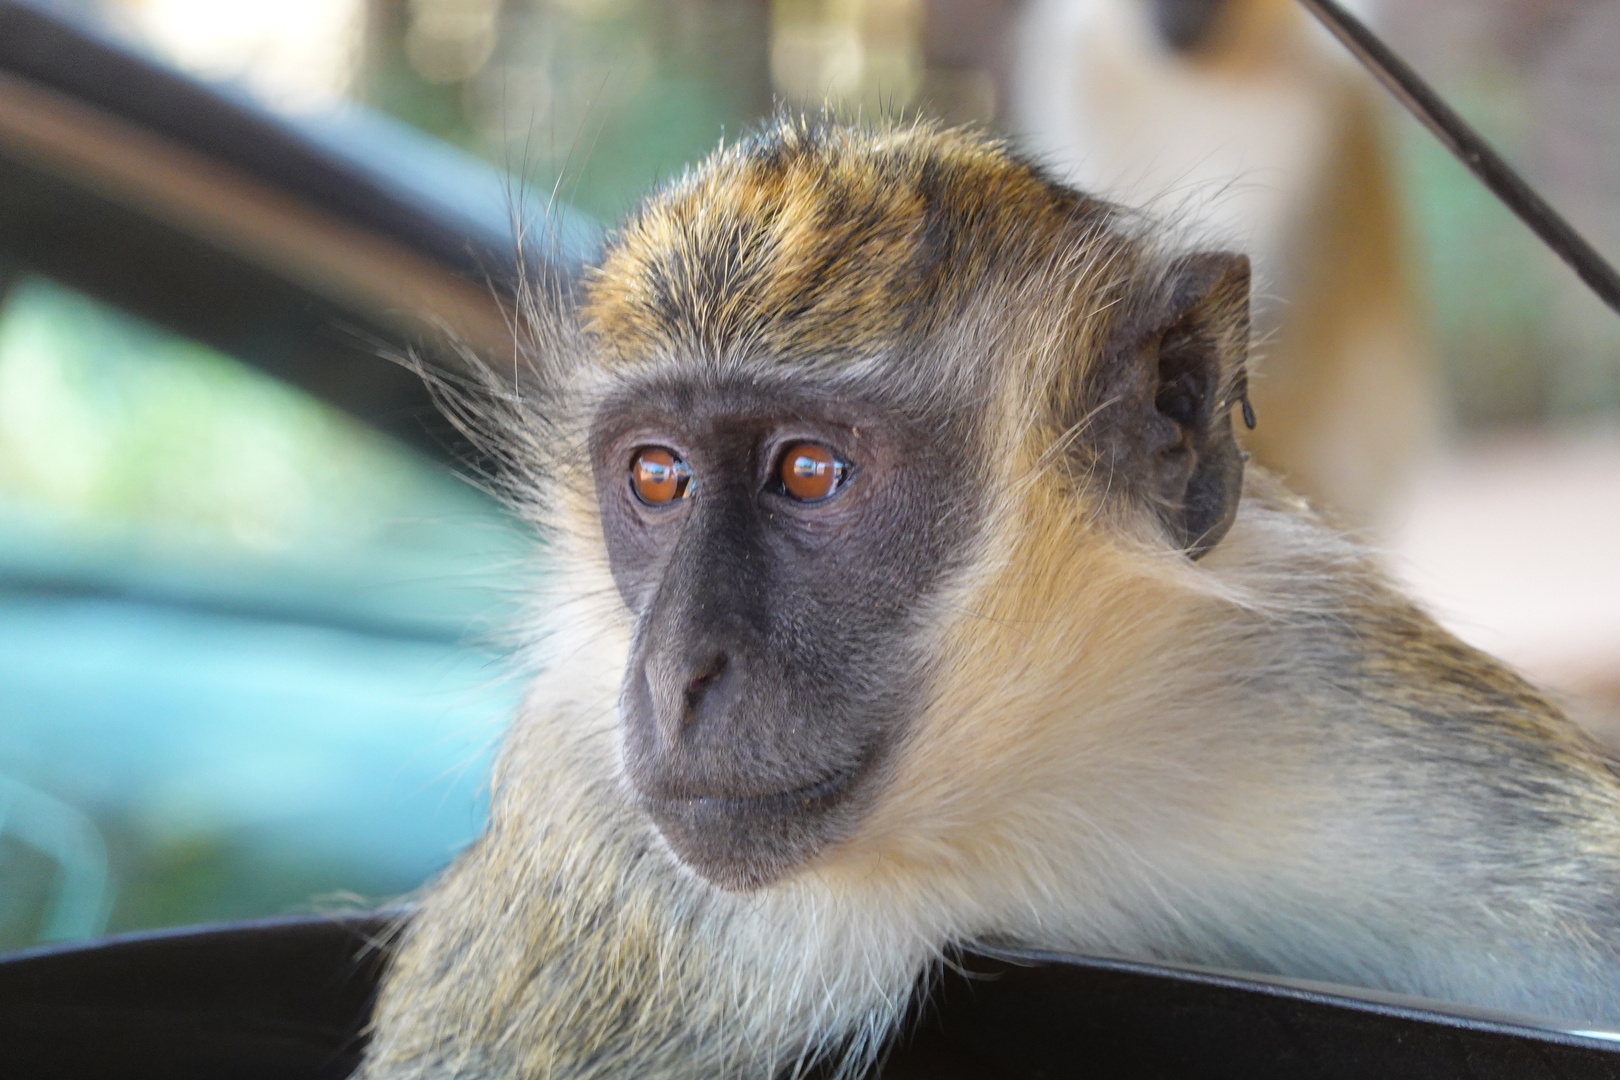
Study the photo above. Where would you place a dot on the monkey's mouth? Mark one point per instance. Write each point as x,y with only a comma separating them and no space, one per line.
811,796
743,842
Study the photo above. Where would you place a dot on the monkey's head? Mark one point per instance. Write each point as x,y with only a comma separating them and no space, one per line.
829,370
1185,25
1239,32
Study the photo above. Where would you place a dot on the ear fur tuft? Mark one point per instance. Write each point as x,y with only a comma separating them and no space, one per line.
1176,366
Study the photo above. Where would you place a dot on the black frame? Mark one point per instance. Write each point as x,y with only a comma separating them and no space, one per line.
287,999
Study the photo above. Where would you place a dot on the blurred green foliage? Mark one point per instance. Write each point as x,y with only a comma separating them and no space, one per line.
1521,340
111,422
597,99
1469,247
192,879
221,876
29,878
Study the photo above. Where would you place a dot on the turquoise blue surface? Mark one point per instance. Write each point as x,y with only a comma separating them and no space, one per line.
339,745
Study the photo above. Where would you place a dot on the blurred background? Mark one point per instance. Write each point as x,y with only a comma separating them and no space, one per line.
250,646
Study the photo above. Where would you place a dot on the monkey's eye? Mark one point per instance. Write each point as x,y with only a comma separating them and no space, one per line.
810,472
658,477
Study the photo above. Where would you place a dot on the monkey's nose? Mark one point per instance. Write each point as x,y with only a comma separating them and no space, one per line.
700,684
680,702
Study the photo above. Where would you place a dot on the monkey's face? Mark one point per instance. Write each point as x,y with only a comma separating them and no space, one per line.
818,364
775,545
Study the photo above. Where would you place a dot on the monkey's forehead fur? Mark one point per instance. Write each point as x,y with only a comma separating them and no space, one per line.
827,244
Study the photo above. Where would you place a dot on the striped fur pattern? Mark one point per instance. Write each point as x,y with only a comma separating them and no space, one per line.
1264,758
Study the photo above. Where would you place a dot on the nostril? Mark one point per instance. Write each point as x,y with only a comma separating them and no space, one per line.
702,681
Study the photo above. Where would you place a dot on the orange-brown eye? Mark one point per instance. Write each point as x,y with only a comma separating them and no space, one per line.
810,472
658,477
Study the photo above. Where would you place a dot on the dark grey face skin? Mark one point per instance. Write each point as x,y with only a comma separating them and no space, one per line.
773,667
1186,25
776,661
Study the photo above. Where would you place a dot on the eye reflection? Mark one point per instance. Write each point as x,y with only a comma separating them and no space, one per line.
811,472
658,477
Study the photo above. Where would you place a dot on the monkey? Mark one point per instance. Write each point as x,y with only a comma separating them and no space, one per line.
909,588
1251,108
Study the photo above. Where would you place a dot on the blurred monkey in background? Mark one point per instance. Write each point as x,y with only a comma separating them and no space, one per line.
1244,116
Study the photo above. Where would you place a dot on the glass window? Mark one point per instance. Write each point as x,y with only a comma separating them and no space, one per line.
240,635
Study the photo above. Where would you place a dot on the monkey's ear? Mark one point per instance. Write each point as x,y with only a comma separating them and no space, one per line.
1177,366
